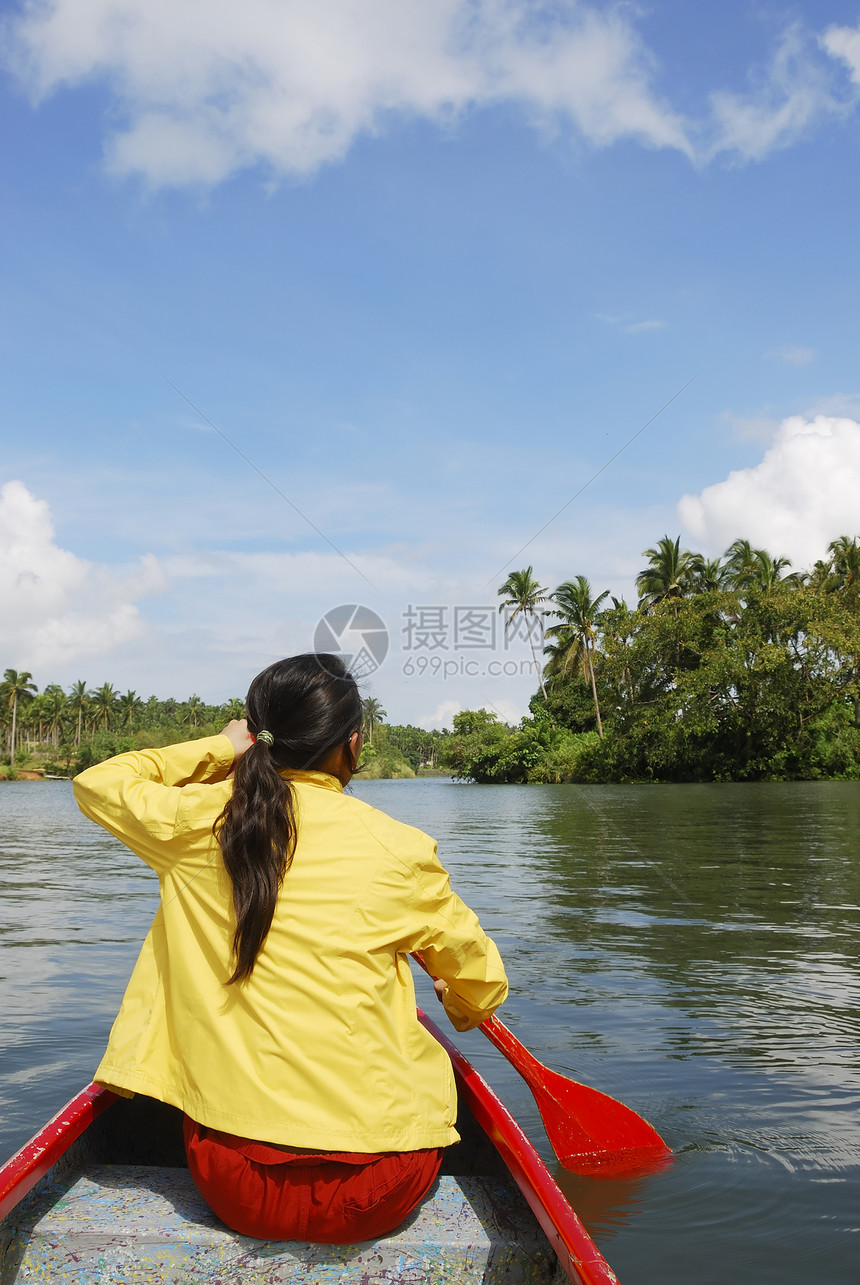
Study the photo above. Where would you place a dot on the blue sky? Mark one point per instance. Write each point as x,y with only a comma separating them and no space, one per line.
428,266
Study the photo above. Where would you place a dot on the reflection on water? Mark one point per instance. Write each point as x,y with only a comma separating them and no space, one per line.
692,950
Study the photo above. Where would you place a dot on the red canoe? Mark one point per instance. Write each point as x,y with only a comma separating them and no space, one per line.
101,1194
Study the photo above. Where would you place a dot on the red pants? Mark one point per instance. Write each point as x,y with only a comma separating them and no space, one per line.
330,1198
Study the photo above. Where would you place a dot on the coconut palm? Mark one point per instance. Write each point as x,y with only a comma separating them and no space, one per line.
576,634
845,561
233,708
707,574
749,568
769,571
55,707
103,704
193,708
18,688
372,713
668,575
129,704
741,564
525,595
78,705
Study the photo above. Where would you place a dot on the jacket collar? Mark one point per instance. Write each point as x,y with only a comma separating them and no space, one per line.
308,777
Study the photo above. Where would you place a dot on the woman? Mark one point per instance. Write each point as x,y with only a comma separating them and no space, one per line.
273,1000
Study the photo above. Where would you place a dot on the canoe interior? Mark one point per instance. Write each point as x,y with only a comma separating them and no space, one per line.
119,1207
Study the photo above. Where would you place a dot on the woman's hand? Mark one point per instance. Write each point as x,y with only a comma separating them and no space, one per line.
239,737
440,988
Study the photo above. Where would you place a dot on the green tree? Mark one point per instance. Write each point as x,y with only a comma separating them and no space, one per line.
755,569
79,706
482,749
524,594
669,573
17,689
843,564
193,710
55,709
576,635
741,566
707,575
371,714
103,705
128,707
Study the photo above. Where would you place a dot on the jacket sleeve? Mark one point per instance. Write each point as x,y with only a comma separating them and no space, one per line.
455,947
140,797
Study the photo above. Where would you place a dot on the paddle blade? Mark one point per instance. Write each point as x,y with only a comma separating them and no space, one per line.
593,1134
590,1132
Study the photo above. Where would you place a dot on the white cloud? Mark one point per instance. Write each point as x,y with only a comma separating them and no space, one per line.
785,100
202,91
508,711
206,90
759,428
631,327
55,607
838,405
844,43
442,716
802,494
640,327
794,356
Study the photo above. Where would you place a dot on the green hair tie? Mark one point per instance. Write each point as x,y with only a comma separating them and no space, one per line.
266,737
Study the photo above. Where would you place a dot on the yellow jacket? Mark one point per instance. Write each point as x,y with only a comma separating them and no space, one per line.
320,1048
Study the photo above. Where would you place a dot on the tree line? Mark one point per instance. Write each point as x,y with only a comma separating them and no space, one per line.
65,731
735,668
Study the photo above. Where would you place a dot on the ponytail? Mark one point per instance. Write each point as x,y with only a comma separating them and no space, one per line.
310,706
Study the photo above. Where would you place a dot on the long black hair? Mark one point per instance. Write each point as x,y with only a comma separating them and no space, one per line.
311,706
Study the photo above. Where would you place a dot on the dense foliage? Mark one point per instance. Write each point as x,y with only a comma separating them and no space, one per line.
732,669
65,732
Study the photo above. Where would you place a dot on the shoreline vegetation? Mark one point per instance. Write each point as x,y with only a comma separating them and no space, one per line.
735,669
59,733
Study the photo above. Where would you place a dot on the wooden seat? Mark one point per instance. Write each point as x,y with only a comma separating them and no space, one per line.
124,1224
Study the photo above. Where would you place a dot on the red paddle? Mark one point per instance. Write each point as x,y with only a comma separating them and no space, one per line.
590,1132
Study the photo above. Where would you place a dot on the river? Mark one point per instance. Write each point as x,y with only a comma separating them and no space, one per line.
691,950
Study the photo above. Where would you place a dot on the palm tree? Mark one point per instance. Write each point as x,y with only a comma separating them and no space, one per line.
78,704
845,561
707,574
18,688
749,568
55,706
668,575
129,704
104,704
769,571
193,706
372,713
577,632
741,564
233,708
525,595
31,719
